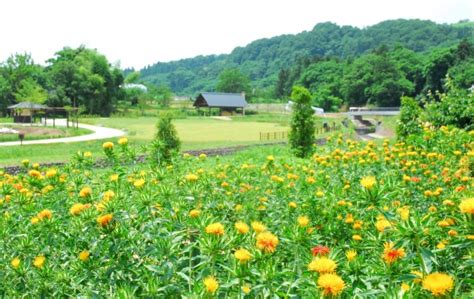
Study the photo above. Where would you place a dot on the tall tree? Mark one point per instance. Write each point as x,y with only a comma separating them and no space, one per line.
302,123
31,91
232,80
281,85
19,72
83,77
375,79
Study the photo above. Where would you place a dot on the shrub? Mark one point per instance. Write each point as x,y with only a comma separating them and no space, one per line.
455,107
409,122
166,142
301,136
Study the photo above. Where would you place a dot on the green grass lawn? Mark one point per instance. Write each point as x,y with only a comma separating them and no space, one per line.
194,132
41,132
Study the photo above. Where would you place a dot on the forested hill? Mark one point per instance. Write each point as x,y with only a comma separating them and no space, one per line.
262,59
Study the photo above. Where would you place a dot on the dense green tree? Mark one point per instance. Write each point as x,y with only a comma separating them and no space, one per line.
83,77
324,80
132,77
281,88
19,72
4,92
31,91
462,74
162,94
411,65
455,61
324,98
302,122
439,62
375,79
232,80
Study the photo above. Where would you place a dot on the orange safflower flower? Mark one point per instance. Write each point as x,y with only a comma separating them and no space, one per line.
267,242
104,220
391,254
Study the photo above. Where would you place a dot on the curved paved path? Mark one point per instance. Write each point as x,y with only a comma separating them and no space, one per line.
99,133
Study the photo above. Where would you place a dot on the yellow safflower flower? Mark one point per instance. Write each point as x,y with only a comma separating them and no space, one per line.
211,284
51,173
382,224
351,255
108,195
85,192
194,213
331,284
139,183
34,173
258,227
467,206
107,145
322,265
77,208
242,255
303,221
215,229
368,182
84,255
15,262
39,261
241,227
438,283
123,141
46,213
191,177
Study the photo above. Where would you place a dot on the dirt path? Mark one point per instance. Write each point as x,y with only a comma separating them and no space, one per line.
99,133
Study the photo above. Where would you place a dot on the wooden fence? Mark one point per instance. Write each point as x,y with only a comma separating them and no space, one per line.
283,135
265,136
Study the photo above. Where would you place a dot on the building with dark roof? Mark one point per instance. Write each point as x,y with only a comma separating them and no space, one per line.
225,102
27,112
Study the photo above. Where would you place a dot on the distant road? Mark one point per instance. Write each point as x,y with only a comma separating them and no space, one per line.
99,133
382,111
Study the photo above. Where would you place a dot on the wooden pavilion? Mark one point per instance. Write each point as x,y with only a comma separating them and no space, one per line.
26,112
227,103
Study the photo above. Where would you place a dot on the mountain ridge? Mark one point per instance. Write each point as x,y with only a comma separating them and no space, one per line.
263,58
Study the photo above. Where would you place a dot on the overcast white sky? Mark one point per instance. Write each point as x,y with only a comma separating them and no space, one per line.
142,32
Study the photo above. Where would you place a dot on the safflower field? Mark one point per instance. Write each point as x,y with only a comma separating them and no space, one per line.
357,219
